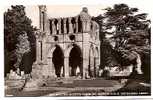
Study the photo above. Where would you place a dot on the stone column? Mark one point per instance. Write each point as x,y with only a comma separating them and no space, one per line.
42,17
51,67
44,51
37,50
66,67
76,24
97,64
70,25
53,27
85,50
92,63
59,26
64,22
85,67
86,25
83,25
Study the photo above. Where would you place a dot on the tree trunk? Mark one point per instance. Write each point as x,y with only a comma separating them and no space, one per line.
138,63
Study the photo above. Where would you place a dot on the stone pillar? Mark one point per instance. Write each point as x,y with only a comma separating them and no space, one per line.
37,50
42,17
92,63
70,25
66,67
76,24
44,51
53,27
64,22
83,26
85,50
51,67
97,64
86,25
59,26
97,53
85,68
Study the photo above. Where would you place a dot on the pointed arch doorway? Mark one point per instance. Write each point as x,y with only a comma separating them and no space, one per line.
75,61
58,60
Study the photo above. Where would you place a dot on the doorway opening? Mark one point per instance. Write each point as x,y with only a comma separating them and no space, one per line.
58,61
75,61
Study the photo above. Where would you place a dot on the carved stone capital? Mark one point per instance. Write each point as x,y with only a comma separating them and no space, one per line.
64,20
53,20
85,16
69,20
59,20
42,8
76,19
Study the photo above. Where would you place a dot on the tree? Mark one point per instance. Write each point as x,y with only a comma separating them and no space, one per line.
124,19
130,32
16,22
23,46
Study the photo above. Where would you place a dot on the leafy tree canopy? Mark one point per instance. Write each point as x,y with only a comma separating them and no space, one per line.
16,23
130,31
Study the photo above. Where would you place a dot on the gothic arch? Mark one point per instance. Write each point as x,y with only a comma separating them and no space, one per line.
58,60
69,48
51,50
74,55
52,68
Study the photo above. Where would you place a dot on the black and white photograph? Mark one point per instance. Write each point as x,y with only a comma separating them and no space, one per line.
77,50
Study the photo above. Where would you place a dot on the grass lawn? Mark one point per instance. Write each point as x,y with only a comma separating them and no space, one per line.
17,93
133,87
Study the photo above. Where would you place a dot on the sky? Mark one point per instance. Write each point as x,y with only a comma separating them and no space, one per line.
55,11
67,8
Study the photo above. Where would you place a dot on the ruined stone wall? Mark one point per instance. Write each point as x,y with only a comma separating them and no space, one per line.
67,33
